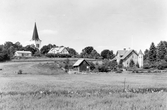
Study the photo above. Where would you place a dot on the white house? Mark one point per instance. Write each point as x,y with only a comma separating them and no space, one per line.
127,55
59,50
23,54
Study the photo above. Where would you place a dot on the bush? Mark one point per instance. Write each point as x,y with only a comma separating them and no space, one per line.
4,57
146,66
92,66
20,72
37,54
103,68
118,70
161,65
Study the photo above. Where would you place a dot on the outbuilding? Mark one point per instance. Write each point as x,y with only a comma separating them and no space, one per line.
23,54
81,65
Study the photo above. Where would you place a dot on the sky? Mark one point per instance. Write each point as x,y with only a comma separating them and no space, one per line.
103,24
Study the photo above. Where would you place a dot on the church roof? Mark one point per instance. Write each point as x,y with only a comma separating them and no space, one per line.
140,52
35,34
124,53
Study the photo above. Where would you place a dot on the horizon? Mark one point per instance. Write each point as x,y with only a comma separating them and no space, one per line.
109,24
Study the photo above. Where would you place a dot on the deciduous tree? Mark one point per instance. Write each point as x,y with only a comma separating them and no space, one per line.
107,54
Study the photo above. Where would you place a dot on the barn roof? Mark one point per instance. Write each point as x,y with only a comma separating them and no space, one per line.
78,62
57,49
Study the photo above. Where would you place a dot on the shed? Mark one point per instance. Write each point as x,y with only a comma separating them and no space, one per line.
81,65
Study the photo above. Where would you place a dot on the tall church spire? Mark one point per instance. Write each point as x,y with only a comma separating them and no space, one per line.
35,34
35,38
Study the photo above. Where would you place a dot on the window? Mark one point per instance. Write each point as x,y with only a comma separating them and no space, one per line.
37,45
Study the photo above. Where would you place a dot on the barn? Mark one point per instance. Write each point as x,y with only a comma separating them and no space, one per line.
81,65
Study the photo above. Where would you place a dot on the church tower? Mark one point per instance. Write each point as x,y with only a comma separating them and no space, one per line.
140,59
35,38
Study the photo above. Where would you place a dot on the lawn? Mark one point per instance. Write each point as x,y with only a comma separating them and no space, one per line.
44,86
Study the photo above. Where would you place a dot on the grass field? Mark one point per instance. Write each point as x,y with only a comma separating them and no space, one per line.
43,86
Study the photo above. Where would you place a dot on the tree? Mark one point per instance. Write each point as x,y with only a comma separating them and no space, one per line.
45,49
94,54
89,52
18,46
1,48
107,54
152,53
11,51
7,45
113,64
67,65
72,52
88,49
30,48
161,51
146,55
4,56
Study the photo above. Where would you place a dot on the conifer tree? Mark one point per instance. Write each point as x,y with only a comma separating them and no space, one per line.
146,52
152,53
161,51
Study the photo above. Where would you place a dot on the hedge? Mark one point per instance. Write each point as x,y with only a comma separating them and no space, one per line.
51,55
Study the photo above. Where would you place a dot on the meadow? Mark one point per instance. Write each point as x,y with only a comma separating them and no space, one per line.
44,86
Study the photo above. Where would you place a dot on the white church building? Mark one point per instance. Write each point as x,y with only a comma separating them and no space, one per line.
35,38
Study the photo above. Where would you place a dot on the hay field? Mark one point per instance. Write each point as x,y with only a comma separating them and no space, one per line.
44,86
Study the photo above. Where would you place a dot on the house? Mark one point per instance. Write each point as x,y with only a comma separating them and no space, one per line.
35,38
59,50
23,54
81,65
126,56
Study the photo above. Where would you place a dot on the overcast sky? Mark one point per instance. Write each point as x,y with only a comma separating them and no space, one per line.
103,24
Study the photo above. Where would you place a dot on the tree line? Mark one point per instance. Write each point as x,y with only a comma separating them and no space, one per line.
8,49
156,56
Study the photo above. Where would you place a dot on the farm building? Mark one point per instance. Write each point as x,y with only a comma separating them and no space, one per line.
23,54
126,56
59,50
81,65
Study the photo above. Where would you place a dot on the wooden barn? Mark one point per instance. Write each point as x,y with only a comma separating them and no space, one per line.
81,65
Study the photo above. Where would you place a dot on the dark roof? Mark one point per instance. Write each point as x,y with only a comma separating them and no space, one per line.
35,34
79,62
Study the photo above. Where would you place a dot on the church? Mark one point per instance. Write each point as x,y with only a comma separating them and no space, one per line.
35,38
125,56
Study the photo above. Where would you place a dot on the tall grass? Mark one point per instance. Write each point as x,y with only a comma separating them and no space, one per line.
84,100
